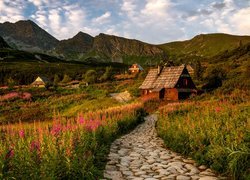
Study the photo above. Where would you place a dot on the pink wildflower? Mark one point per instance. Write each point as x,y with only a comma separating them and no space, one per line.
56,129
81,120
35,146
218,109
21,134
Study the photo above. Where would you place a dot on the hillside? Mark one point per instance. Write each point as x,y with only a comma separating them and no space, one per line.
118,48
26,35
205,45
106,48
75,46
3,44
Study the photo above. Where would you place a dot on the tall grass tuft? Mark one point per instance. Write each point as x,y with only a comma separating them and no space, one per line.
216,133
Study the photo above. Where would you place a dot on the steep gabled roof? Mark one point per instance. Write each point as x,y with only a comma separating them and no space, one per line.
41,80
150,79
168,78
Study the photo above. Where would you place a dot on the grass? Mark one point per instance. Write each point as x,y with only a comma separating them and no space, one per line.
64,148
205,46
215,132
67,102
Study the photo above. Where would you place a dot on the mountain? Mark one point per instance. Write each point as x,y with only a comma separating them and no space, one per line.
105,47
117,47
205,45
26,35
3,44
73,47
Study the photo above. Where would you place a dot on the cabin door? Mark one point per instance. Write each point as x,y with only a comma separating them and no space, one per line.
162,93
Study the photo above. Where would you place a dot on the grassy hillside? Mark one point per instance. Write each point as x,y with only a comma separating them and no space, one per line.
205,45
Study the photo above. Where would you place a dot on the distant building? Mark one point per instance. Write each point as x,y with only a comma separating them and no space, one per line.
40,81
135,68
168,83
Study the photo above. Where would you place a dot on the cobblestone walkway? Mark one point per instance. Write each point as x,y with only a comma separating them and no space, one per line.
141,155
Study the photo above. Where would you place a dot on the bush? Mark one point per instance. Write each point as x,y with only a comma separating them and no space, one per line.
108,75
90,76
66,78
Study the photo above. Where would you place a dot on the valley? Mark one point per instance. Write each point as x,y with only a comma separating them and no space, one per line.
70,125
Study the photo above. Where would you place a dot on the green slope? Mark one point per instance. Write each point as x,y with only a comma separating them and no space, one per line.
205,45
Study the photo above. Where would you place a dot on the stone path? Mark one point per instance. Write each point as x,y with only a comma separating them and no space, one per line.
141,155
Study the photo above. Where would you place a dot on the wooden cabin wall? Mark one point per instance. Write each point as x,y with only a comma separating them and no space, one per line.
171,94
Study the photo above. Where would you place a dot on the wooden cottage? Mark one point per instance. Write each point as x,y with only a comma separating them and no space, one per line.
40,81
168,83
135,68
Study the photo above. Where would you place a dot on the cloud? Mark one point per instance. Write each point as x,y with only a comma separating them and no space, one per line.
156,8
153,21
11,11
38,3
240,21
103,18
218,5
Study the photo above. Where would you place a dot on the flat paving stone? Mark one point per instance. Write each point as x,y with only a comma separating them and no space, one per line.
141,155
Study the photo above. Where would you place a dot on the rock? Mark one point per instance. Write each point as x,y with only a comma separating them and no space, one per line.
181,177
202,167
145,167
110,168
127,173
163,172
193,169
140,173
208,178
189,161
150,161
207,173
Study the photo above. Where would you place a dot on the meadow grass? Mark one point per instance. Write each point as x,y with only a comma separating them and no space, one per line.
216,133
65,148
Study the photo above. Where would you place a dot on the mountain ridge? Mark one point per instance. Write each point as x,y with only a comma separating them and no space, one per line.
27,35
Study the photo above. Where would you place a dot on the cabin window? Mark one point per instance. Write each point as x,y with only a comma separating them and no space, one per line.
185,82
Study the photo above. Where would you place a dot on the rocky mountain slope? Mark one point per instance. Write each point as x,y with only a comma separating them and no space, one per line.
26,35
115,47
79,44
3,44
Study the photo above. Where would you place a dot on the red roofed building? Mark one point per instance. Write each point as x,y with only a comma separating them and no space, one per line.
168,83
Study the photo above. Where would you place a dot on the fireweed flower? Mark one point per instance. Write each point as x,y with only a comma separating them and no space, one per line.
56,129
21,134
81,120
35,146
218,109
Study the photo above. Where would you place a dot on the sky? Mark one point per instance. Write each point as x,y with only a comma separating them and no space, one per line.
152,21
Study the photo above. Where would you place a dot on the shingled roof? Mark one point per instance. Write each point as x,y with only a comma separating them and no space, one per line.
150,79
168,78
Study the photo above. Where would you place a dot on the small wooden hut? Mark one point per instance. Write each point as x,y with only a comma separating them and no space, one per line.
135,68
40,81
168,83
